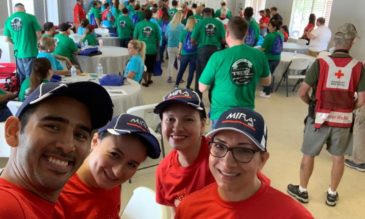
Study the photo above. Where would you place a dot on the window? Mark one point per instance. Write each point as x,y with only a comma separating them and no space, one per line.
301,11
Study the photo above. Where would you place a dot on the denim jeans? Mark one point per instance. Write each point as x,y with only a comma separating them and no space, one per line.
204,54
24,67
272,66
184,61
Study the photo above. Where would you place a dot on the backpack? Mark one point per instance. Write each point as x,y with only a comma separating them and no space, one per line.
188,46
164,26
135,19
277,46
9,80
250,39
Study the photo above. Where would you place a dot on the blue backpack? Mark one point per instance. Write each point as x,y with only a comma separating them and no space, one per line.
135,19
188,46
277,46
250,39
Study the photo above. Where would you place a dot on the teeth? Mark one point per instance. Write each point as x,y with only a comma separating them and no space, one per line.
58,162
229,174
177,137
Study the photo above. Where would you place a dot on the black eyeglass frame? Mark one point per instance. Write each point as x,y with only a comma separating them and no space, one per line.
232,150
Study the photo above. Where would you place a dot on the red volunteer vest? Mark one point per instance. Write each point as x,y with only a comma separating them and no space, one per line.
337,84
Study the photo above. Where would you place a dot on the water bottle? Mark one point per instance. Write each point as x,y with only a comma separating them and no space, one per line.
99,70
73,73
86,44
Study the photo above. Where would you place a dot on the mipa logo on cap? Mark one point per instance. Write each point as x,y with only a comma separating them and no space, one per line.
177,94
138,123
241,118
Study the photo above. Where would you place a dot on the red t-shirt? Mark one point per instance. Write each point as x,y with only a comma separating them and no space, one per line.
174,182
264,20
77,200
79,13
267,202
16,202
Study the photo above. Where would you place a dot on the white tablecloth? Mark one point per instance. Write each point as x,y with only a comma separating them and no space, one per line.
123,97
285,60
292,47
113,60
109,41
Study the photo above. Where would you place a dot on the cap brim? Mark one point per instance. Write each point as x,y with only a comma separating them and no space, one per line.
94,96
213,132
153,147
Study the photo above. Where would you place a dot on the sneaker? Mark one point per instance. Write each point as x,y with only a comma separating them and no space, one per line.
264,95
169,80
353,165
331,199
293,190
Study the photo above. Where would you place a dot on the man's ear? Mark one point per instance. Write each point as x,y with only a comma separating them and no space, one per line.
12,131
95,140
264,157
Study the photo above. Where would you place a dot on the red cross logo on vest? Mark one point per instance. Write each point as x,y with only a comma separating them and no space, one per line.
339,74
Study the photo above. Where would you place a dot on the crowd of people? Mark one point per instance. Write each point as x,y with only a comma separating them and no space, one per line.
70,157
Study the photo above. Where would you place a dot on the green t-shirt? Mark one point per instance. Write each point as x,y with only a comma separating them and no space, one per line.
273,45
219,12
125,27
2,92
172,12
47,35
198,17
91,39
233,74
209,31
149,33
253,33
65,46
96,12
182,41
21,28
140,15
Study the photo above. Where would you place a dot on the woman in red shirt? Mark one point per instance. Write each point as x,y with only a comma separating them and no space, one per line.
310,26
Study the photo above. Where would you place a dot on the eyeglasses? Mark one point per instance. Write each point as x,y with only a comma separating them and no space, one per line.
240,154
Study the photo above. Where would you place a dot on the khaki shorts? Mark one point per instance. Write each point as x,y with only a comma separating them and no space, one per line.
336,139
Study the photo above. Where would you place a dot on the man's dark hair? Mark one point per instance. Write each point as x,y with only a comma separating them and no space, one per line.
147,14
24,117
223,4
276,23
321,20
248,12
106,5
18,5
174,3
237,27
207,12
274,8
125,11
194,5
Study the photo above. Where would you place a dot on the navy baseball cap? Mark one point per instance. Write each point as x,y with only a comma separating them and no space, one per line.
130,124
244,121
178,95
94,96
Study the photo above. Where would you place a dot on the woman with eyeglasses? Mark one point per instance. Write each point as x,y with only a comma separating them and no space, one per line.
237,155
185,169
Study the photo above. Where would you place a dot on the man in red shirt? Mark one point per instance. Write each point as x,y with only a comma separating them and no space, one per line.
49,138
79,13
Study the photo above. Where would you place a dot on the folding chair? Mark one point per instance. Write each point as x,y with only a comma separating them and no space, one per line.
143,205
295,70
154,123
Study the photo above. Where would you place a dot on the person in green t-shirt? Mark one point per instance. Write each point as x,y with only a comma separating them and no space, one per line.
41,72
272,47
173,9
198,13
223,12
89,36
149,33
94,14
49,29
232,74
209,34
253,31
65,46
23,31
125,28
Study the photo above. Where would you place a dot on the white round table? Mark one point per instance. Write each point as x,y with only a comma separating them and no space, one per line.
123,97
292,47
113,59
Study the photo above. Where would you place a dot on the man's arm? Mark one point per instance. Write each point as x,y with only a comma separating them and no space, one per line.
266,81
8,40
360,99
203,87
39,35
304,92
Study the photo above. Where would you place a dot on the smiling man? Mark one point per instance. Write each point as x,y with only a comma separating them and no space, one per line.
237,153
50,137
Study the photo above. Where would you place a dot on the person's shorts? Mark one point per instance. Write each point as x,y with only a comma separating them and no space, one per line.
336,139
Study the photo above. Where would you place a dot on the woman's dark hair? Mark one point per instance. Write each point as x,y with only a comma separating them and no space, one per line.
312,18
276,23
147,14
40,71
267,12
84,22
285,28
165,14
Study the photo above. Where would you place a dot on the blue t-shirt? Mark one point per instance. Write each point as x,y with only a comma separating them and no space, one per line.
136,65
173,35
56,65
80,30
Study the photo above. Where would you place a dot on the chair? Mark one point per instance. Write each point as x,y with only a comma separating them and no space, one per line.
13,106
295,70
154,123
143,205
